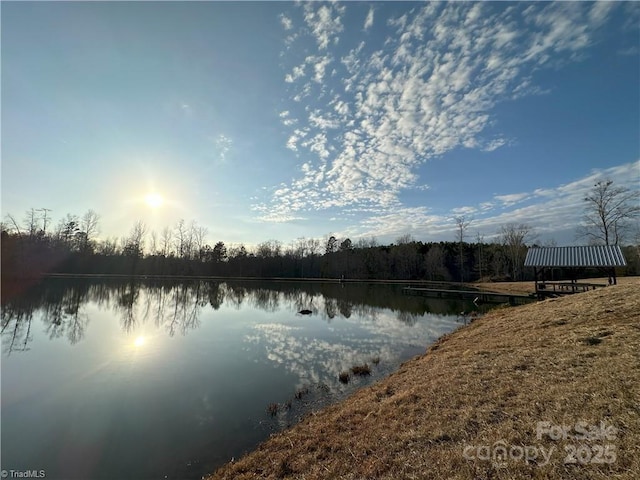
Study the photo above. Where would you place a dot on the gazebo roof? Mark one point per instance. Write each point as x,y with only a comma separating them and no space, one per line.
586,256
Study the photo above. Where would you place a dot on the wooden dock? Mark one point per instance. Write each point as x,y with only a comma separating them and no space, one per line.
555,289
481,296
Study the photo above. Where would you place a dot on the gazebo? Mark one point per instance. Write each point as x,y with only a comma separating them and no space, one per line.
572,260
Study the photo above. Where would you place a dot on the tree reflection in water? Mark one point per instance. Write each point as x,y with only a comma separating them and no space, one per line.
175,306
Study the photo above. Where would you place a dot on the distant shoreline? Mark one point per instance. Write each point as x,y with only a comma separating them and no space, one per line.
218,277
275,279
498,286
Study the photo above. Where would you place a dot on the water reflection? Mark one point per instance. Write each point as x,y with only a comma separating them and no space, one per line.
176,307
171,379
319,360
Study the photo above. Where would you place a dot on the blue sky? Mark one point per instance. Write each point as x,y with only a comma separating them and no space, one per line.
277,120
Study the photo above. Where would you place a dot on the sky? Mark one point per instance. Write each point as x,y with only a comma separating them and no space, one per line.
280,120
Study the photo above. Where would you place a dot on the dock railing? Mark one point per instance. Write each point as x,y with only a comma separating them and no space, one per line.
563,288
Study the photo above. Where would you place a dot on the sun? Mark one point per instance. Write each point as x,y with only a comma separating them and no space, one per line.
139,341
154,200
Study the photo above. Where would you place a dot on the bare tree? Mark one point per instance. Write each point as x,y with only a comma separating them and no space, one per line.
165,241
237,251
434,264
314,246
636,237
301,248
67,229
479,242
263,250
276,248
180,237
269,249
404,239
153,247
198,234
45,218
134,244
184,238
609,213
13,224
31,222
89,223
108,247
514,238
370,242
89,227
462,223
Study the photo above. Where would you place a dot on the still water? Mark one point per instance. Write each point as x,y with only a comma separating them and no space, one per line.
134,379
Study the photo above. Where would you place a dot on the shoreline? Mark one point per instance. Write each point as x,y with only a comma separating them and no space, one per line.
519,287
570,361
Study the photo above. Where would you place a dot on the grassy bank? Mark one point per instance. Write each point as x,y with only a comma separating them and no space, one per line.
485,387
529,287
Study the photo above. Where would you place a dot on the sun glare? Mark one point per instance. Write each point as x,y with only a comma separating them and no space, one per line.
139,342
154,200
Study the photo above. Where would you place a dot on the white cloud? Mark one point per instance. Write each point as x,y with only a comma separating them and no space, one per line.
318,145
396,223
317,120
296,73
562,26
223,145
318,361
319,66
468,210
325,23
298,134
303,93
600,11
544,192
495,144
633,50
553,209
549,210
368,23
286,22
512,198
430,87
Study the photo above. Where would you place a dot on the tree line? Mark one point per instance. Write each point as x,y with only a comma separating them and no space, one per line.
73,248
34,246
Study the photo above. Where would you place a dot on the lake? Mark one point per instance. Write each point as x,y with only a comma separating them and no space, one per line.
142,379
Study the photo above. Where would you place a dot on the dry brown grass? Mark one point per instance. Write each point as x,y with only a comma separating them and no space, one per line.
529,287
563,361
